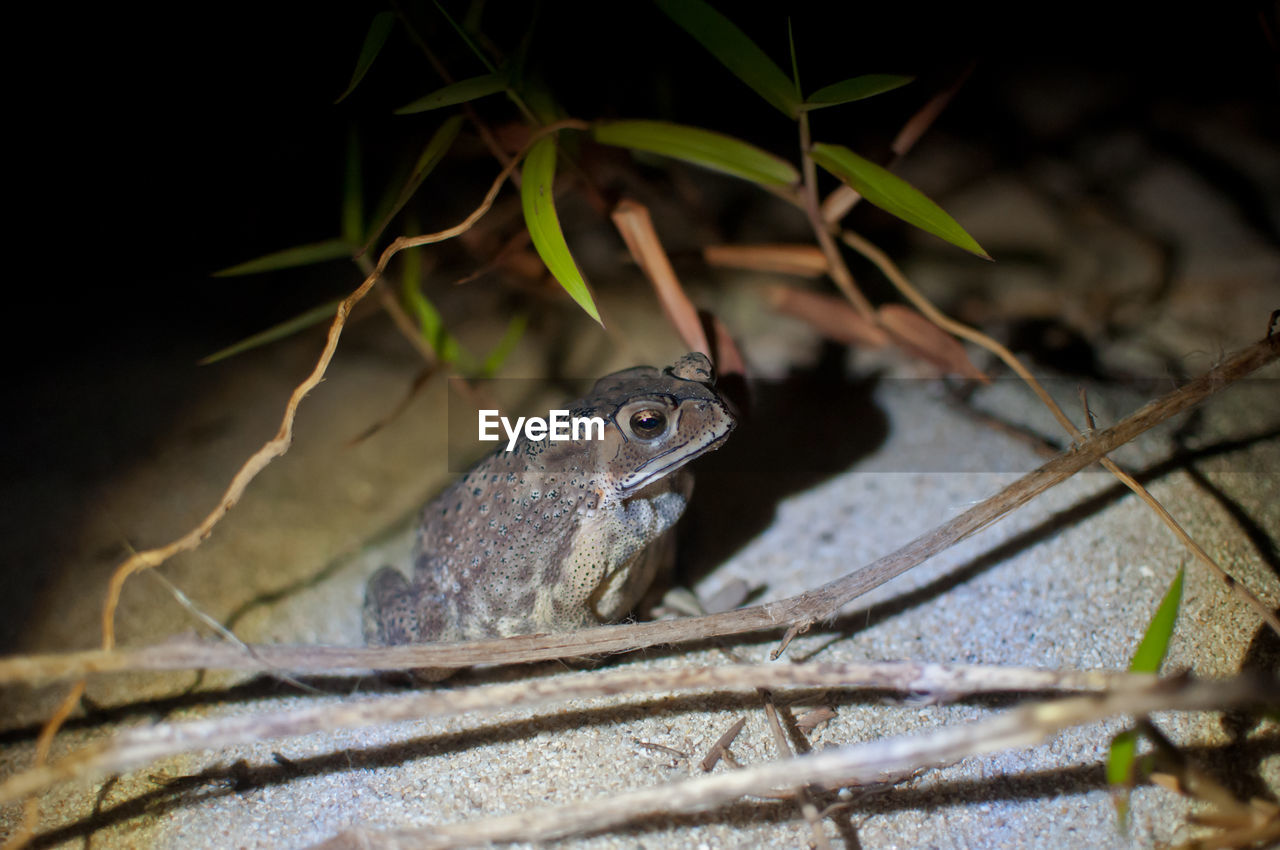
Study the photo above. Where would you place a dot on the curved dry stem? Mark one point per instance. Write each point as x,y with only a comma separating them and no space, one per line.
882,760
899,280
31,806
133,747
797,612
836,267
272,449
279,444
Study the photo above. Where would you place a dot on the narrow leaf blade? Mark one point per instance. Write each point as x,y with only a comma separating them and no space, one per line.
374,39
856,88
744,59
1147,659
894,195
430,323
1124,748
353,193
536,198
299,255
288,327
699,147
1120,763
455,93
1155,643
440,143
510,338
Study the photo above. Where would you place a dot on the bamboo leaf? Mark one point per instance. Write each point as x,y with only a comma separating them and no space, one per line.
894,195
853,89
510,338
353,193
299,255
700,147
314,316
374,39
536,197
1120,763
1147,659
464,35
1155,643
1124,748
537,100
459,92
795,63
430,323
744,59
440,143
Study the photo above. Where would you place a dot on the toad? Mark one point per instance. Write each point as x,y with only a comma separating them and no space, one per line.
556,535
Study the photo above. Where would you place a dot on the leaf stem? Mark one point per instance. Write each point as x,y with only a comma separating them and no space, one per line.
809,201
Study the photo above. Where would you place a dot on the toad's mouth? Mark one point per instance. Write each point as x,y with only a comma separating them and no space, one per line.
654,468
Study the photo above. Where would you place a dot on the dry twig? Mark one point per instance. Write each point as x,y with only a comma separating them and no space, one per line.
134,747
259,460
858,764
899,280
798,612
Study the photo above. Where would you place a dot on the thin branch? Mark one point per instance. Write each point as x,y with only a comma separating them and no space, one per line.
899,280
721,747
801,792
259,460
31,806
809,202
798,612
886,759
133,747
279,444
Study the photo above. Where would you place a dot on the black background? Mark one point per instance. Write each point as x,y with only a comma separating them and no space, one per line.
158,147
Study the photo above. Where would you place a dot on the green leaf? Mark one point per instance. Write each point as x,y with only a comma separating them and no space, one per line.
1124,748
510,338
795,63
374,39
735,51
1147,659
459,92
536,183
314,316
299,255
465,36
430,324
700,147
1120,761
1155,643
537,101
353,193
439,144
853,89
894,195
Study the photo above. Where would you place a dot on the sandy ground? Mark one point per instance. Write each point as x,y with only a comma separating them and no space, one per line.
845,458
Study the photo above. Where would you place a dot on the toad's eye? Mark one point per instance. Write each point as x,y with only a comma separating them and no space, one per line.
649,423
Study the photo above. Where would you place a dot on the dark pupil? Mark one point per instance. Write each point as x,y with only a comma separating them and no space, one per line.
648,423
